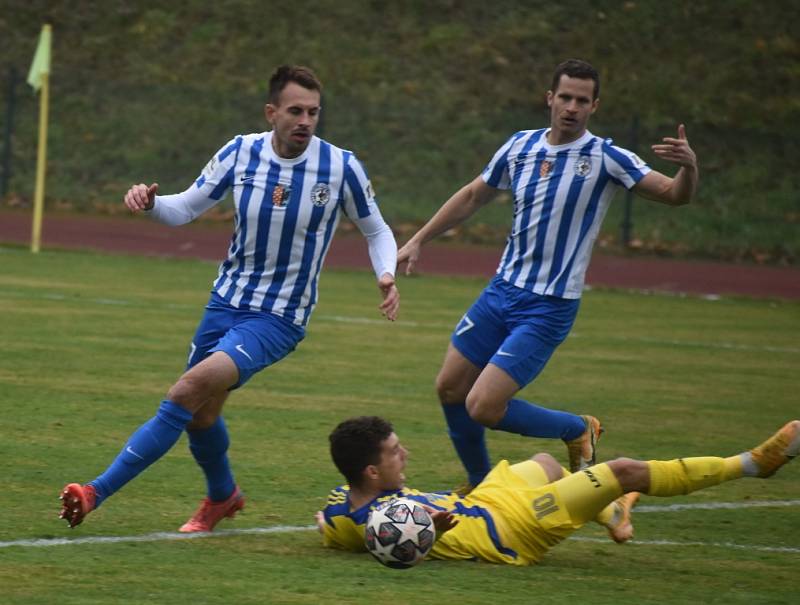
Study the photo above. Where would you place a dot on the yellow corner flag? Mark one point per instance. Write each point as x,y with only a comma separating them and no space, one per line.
39,77
40,68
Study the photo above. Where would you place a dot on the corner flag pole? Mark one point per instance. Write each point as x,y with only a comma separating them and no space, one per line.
39,78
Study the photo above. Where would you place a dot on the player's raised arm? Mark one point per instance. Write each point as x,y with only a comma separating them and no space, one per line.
141,197
679,189
457,209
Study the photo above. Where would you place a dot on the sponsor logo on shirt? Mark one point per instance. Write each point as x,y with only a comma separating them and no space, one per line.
320,194
545,169
281,195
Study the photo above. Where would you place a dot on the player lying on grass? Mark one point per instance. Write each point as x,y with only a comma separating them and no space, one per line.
520,511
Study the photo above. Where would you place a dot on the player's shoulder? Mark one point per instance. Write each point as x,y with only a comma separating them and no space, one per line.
620,155
608,146
337,503
518,141
524,135
338,495
251,137
331,146
523,139
338,155
236,142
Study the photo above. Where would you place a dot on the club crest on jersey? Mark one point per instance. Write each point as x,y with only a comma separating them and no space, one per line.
583,166
320,194
545,169
281,195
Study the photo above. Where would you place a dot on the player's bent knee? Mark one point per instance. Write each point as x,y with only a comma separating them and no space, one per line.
190,392
551,466
484,412
449,391
633,475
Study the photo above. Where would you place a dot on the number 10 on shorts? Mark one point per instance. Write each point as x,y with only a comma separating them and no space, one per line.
544,505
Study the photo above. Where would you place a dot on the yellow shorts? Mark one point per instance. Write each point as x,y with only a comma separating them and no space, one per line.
536,515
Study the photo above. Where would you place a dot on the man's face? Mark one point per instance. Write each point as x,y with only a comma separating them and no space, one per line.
392,464
571,104
294,119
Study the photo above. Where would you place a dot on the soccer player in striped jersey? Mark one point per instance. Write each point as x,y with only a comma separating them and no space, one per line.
289,190
520,511
562,179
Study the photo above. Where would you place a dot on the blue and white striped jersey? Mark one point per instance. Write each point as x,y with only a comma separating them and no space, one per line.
561,195
286,211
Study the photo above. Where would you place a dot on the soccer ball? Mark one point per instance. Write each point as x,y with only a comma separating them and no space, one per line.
399,533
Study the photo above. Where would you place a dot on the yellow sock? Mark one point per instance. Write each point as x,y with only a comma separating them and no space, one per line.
586,495
605,516
687,475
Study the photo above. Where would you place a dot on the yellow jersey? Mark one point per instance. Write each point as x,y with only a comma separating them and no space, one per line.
505,519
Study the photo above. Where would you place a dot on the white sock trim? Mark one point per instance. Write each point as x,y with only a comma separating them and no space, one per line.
749,466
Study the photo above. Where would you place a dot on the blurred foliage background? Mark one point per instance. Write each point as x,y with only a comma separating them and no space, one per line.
424,92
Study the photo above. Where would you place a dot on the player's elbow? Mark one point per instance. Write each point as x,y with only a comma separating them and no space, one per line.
683,196
672,197
681,201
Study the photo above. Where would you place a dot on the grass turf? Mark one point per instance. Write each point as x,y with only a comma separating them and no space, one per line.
92,342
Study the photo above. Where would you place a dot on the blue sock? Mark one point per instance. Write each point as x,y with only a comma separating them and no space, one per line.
209,448
531,420
468,438
150,441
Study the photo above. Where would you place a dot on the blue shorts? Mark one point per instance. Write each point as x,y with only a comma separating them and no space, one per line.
515,329
253,339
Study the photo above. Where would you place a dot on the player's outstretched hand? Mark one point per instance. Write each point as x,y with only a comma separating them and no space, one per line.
409,254
391,297
141,197
443,520
677,150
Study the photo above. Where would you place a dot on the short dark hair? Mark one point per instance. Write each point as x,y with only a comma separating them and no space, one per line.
356,443
292,73
575,68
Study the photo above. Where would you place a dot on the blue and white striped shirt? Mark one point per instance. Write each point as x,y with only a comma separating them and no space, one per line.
286,211
561,195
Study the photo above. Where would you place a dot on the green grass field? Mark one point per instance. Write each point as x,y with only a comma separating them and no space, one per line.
90,343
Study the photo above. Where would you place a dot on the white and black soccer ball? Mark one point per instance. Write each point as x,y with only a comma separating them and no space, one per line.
399,533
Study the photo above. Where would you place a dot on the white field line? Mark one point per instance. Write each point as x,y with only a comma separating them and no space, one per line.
157,536
728,545
732,346
377,322
280,529
727,346
670,508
